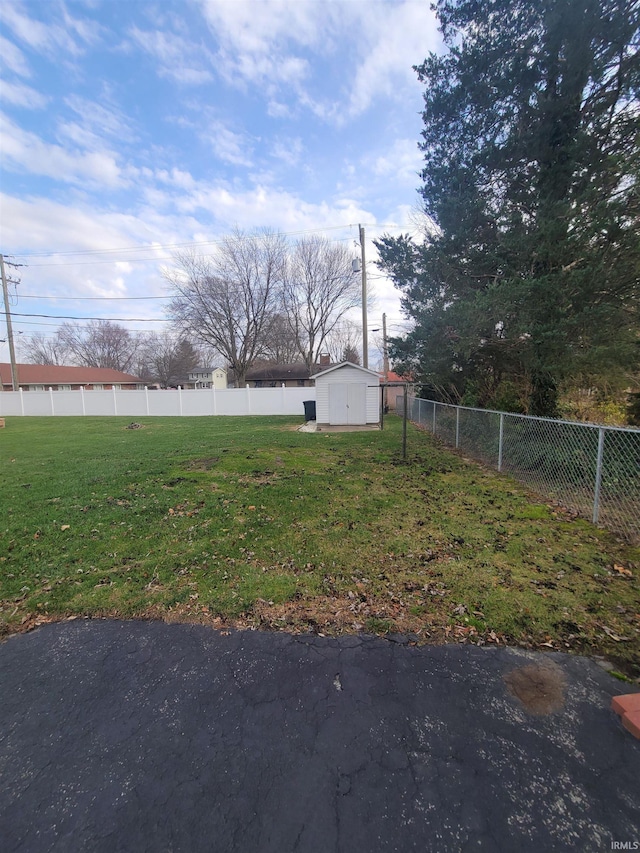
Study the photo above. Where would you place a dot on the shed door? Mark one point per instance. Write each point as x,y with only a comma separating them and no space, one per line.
347,403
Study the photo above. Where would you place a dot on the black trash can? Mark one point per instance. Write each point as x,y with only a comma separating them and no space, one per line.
309,410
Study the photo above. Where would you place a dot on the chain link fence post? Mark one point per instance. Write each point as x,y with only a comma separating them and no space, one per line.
404,423
598,482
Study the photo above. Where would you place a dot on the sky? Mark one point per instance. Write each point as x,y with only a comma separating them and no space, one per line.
131,130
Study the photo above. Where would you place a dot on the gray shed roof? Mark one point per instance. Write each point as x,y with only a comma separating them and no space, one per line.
348,364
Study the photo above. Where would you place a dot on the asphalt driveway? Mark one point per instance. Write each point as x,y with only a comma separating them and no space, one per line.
143,736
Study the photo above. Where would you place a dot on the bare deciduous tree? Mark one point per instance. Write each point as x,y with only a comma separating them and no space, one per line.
100,343
343,342
226,302
166,359
320,286
280,344
39,349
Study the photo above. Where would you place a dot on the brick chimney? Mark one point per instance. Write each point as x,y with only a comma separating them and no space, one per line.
325,359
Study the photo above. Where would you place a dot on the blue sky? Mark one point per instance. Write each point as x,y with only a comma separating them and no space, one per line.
131,127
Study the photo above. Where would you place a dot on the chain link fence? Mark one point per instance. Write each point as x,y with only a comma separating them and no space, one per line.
593,470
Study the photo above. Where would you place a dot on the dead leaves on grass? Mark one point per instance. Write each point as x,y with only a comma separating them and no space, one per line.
183,510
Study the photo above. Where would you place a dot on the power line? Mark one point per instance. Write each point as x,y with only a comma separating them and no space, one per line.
164,246
110,319
33,323
142,247
54,327
92,298
137,260
111,261
51,325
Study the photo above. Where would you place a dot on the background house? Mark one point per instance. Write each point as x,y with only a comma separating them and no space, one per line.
41,377
207,377
295,375
276,375
394,393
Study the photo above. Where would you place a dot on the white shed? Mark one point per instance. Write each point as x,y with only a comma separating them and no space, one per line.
347,394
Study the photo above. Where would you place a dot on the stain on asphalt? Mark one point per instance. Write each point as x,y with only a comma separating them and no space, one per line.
540,687
142,736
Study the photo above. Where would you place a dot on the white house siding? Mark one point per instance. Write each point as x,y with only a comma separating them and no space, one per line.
344,374
220,379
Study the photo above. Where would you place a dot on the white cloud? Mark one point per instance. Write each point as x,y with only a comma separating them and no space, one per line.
178,58
102,119
96,124
73,132
276,109
22,96
263,205
176,177
24,151
255,29
289,150
259,43
51,226
51,39
13,58
274,42
88,31
227,145
402,162
398,37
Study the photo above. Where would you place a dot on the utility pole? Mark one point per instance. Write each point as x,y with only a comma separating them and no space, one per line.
12,352
385,348
385,357
365,338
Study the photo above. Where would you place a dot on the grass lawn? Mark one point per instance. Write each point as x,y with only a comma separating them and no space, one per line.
245,521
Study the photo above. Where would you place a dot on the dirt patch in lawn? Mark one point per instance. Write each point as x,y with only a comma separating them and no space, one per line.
205,464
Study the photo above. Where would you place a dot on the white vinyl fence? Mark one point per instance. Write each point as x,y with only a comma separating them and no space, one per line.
136,404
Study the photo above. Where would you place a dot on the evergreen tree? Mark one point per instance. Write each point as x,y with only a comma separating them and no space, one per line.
528,276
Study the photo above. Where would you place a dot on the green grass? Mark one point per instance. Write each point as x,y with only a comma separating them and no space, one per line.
246,521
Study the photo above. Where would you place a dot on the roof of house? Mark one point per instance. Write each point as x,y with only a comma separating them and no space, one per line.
56,374
393,377
205,369
281,372
347,364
